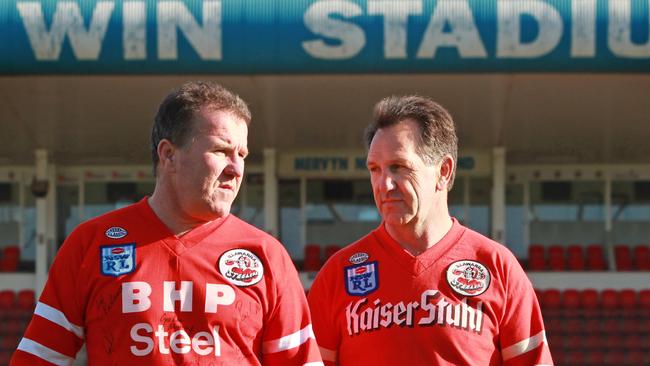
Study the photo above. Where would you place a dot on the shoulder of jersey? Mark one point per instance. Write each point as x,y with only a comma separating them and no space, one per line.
110,225
356,253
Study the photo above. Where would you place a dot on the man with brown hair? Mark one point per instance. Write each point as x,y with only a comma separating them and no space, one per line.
174,278
421,289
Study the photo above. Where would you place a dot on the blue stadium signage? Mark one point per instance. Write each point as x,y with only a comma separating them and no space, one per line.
322,36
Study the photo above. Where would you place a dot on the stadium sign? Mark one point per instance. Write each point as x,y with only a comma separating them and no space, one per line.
322,36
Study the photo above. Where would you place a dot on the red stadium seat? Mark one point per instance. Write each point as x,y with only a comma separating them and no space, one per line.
594,357
623,256
596,258
644,302
551,302
574,341
26,300
330,250
574,358
556,259
628,300
592,342
10,258
7,299
642,257
592,326
609,301
573,325
570,302
637,357
575,258
312,257
589,302
614,358
536,260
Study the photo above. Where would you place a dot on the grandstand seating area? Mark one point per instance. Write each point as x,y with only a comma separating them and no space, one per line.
16,310
590,327
590,258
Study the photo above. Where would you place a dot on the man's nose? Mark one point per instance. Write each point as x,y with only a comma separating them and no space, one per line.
235,167
386,182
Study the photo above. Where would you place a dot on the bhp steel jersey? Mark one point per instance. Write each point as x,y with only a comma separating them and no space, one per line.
225,293
465,301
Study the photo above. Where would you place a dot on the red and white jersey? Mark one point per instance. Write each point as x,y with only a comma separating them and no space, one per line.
464,301
225,293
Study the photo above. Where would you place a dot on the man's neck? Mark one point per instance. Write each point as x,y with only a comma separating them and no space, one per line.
167,209
416,237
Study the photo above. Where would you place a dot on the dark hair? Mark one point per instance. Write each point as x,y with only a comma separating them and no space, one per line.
437,129
176,113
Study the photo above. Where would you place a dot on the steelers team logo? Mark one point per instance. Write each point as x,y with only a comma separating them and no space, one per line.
468,278
241,267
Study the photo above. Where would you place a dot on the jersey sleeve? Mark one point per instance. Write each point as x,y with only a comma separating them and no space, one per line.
521,332
55,333
327,335
288,336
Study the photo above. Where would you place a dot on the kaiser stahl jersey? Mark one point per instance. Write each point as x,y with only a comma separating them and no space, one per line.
464,301
225,293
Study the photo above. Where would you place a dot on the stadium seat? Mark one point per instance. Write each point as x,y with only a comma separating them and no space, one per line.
596,258
644,302
623,257
592,342
572,325
330,250
312,258
592,326
609,301
574,341
571,302
10,258
5,357
628,301
556,259
536,260
642,257
614,357
574,358
26,300
594,357
589,302
636,357
551,299
575,258
7,300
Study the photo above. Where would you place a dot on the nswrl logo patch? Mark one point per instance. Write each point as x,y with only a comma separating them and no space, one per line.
361,279
116,260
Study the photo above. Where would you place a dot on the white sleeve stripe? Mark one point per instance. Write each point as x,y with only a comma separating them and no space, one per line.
327,354
57,317
289,341
524,346
314,364
45,353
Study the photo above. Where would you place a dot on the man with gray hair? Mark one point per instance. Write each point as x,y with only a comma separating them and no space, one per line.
421,289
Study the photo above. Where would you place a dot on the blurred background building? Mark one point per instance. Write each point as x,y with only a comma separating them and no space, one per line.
551,99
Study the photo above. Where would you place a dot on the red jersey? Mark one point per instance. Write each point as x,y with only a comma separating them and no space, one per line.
225,293
464,301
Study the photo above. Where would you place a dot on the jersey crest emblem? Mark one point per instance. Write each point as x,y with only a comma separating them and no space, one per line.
361,279
468,278
116,232
241,267
359,257
117,260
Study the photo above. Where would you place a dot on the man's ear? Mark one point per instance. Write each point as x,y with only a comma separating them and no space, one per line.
166,154
445,173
